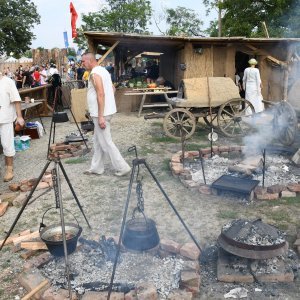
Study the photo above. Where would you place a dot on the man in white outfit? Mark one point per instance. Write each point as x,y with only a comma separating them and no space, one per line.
252,86
102,106
10,110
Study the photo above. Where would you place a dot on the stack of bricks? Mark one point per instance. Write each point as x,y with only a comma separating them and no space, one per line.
61,150
273,192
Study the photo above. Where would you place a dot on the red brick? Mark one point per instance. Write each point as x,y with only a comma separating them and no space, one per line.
205,189
190,281
235,148
176,158
294,188
131,296
259,190
190,250
54,294
191,265
102,296
205,151
61,147
177,168
32,181
3,208
193,154
276,188
146,291
267,196
42,185
170,246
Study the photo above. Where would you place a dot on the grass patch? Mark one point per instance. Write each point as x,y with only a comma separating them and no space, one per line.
164,139
283,201
77,160
157,124
227,214
279,216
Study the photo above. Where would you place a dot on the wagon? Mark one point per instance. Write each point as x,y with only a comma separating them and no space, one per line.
215,99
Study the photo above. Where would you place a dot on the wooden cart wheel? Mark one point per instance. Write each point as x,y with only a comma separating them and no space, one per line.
179,121
211,122
285,123
232,117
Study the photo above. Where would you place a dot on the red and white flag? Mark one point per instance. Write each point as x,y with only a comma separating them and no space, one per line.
74,17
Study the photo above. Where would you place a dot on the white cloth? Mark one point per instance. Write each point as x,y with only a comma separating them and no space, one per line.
103,145
8,95
7,139
43,76
109,97
252,83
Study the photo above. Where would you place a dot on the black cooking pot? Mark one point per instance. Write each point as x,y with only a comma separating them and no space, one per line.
140,234
60,117
53,238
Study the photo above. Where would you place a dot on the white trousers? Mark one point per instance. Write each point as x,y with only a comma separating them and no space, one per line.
103,145
7,139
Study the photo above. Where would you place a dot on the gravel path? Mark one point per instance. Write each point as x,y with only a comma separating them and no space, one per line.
103,199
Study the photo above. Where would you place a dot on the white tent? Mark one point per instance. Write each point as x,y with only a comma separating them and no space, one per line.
11,60
24,59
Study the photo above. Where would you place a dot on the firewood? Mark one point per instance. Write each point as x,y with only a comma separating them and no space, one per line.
34,245
11,238
27,237
35,290
3,208
28,254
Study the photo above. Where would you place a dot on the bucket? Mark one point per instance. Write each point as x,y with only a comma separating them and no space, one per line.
52,236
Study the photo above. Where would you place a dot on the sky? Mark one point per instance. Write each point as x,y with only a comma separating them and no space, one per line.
56,18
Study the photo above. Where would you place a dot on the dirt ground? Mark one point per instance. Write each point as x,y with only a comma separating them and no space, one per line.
103,199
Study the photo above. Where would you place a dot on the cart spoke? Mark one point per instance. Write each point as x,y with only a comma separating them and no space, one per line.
228,113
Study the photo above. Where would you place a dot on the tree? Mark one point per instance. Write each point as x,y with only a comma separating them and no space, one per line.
17,18
129,16
244,18
182,21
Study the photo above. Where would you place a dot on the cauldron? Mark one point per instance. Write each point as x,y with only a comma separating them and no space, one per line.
60,117
140,234
52,236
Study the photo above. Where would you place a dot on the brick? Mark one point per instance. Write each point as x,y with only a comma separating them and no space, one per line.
177,168
102,296
205,189
259,190
66,155
232,268
60,294
23,182
235,148
294,187
190,250
267,196
186,175
193,154
32,278
170,246
288,194
146,291
32,181
131,296
190,184
276,188
205,151
224,149
14,187
191,265
189,279
60,147
42,185
180,295
271,270
176,158
3,208
20,199
25,188
78,153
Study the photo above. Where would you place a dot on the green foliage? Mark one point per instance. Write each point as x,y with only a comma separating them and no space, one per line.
28,54
71,52
183,21
227,214
17,18
129,16
244,18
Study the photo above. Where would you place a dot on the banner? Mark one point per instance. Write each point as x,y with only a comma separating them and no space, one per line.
74,17
66,39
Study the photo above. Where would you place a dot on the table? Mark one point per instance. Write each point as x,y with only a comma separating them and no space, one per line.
26,106
144,94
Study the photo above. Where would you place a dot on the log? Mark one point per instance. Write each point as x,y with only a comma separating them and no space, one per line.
28,254
34,245
35,290
27,237
3,208
11,238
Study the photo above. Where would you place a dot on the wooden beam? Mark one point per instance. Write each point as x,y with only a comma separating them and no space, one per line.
108,52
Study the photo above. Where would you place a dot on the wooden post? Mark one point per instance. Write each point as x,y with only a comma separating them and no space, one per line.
286,74
108,52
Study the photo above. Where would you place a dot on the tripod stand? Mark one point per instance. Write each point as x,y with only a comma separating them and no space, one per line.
59,204
135,172
61,117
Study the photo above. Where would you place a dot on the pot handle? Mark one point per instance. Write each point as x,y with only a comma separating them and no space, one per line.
133,215
42,225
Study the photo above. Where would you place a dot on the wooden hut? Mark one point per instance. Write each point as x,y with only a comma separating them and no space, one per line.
187,57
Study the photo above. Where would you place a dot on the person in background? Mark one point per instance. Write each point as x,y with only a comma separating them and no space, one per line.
43,74
152,72
36,77
19,79
10,111
252,86
102,107
79,72
27,78
85,77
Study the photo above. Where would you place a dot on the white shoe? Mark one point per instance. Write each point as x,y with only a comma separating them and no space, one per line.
88,172
123,172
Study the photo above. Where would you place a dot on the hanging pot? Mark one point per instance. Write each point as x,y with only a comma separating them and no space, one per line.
60,117
53,238
140,234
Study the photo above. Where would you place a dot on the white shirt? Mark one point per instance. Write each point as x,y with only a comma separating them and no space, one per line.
109,97
8,95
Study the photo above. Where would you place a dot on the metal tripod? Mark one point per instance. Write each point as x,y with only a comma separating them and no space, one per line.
134,172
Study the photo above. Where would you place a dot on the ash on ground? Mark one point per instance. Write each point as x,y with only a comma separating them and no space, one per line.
278,170
91,270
